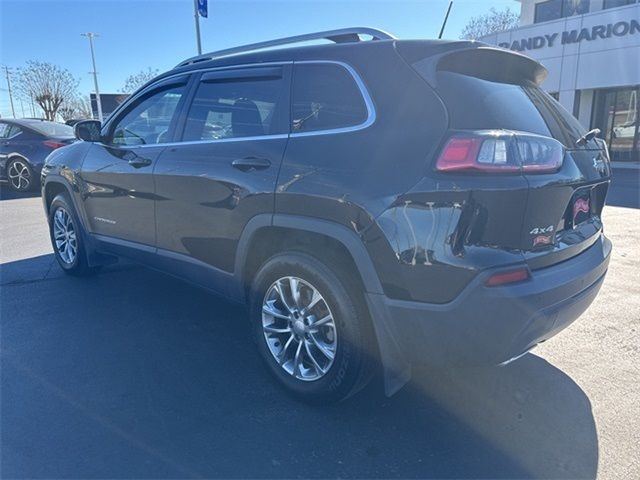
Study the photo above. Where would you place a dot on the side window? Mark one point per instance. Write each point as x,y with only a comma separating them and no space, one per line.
325,96
9,131
235,107
148,122
14,131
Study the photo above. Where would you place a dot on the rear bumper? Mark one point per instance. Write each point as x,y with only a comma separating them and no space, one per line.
488,325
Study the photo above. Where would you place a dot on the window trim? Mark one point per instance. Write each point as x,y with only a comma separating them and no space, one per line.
364,92
371,110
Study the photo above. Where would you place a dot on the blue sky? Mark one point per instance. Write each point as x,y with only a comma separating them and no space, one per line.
136,34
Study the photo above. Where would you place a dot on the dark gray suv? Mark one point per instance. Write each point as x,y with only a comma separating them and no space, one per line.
380,199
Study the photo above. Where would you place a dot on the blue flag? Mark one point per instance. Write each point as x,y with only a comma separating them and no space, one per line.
203,9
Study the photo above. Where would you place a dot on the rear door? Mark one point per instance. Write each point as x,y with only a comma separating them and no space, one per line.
223,170
119,192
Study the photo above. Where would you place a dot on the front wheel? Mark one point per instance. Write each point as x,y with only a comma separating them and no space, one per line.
67,239
311,327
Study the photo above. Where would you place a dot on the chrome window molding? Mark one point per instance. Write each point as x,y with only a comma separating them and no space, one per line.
199,142
370,120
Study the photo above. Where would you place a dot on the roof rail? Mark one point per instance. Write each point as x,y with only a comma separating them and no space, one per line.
343,35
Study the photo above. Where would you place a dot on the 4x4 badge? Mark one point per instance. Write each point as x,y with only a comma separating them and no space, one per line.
541,230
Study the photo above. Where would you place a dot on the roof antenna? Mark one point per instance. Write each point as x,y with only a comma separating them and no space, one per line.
446,17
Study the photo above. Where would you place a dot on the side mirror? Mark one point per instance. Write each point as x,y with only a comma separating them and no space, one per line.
88,130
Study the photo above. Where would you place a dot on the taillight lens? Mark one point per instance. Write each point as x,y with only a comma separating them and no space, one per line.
500,152
53,144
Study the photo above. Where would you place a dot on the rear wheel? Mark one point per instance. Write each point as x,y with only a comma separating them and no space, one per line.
20,175
67,238
311,327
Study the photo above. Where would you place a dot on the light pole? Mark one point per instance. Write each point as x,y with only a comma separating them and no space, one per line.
90,36
6,71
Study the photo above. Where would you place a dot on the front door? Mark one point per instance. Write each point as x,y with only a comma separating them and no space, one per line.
119,192
222,171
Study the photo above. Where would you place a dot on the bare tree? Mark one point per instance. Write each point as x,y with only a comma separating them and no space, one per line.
77,107
133,82
492,22
48,85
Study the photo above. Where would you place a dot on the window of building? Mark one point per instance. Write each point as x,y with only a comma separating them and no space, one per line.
616,3
235,107
616,115
555,9
148,122
325,97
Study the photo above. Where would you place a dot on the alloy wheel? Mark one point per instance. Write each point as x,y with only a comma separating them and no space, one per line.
19,175
64,234
299,328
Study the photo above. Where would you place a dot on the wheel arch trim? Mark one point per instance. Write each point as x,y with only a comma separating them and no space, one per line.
52,179
346,237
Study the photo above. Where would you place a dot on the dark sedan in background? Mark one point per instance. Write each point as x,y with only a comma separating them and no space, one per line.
24,145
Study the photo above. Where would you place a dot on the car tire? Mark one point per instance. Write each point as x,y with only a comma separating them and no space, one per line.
20,175
67,238
327,362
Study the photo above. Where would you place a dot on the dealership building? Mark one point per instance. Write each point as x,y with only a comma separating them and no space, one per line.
592,51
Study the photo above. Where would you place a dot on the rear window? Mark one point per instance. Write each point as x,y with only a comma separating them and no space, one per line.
325,97
51,129
474,103
480,104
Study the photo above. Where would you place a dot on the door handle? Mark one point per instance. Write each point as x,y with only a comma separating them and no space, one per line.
139,162
251,163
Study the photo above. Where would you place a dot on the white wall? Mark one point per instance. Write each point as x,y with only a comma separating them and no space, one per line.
599,63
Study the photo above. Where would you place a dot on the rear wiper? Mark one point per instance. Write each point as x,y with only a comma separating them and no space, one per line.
590,135
315,109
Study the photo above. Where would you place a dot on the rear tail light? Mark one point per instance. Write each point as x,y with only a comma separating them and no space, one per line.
511,276
53,144
500,152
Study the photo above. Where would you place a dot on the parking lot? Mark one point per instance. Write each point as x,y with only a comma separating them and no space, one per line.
134,374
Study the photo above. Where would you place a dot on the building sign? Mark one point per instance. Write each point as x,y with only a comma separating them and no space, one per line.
108,101
597,32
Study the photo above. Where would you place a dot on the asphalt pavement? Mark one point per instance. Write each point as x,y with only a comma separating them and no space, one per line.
135,374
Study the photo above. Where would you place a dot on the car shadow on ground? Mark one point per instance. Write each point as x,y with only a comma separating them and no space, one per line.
6,193
134,374
625,188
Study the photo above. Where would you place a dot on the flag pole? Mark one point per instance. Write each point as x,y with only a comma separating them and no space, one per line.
196,17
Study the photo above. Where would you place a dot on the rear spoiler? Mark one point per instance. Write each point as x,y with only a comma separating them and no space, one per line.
471,58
